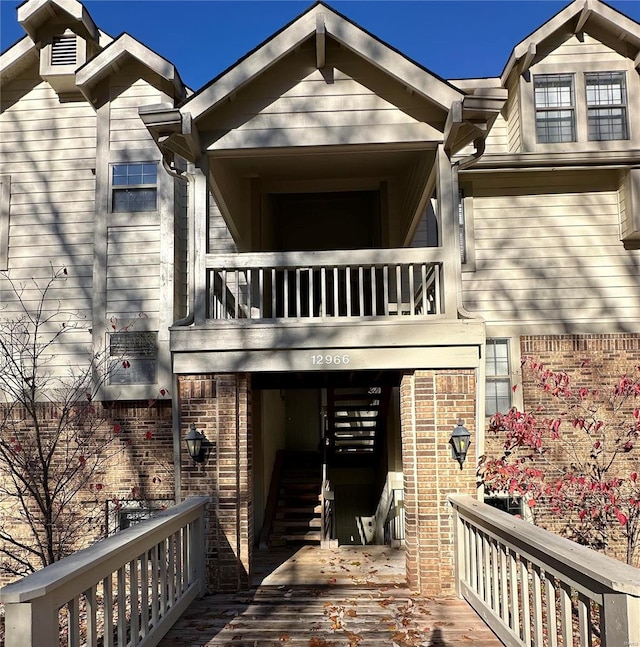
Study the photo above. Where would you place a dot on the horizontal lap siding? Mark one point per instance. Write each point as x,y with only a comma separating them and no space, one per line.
514,138
48,148
133,272
573,51
498,137
550,252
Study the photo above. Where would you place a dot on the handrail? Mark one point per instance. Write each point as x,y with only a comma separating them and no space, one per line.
158,566
520,577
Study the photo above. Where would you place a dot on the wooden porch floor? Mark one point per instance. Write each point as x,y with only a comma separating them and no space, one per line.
350,596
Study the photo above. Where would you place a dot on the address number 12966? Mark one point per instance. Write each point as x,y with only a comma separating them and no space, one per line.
330,360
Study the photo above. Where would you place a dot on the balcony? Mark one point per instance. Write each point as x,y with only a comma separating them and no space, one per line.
323,310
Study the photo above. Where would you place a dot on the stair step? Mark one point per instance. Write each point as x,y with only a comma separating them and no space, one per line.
302,536
310,510
297,523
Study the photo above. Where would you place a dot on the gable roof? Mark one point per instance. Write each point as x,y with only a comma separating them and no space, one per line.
610,27
33,14
112,56
320,21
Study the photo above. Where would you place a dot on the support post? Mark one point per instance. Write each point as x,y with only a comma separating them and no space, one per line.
620,620
30,623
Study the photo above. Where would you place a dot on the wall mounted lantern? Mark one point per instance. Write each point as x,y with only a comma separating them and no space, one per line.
195,444
459,442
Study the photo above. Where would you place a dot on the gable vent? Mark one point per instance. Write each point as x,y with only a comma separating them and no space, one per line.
64,50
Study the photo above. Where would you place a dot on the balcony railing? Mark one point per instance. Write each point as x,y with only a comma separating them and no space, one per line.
533,587
126,590
406,282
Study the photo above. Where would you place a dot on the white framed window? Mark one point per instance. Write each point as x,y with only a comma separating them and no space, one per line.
507,503
498,377
134,187
124,513
606,106
554,98
134,358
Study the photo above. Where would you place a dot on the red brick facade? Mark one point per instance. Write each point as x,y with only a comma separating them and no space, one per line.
431,403
219,405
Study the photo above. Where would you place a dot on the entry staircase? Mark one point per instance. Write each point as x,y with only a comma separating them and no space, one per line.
356,419
293,512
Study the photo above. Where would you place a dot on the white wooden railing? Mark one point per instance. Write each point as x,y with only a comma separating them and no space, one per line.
536,589
331,284
126,590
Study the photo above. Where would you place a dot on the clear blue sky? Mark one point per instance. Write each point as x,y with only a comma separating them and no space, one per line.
453,38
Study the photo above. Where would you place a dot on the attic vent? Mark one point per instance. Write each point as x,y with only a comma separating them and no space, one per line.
63,50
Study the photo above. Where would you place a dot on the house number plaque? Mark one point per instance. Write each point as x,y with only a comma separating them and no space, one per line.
330,360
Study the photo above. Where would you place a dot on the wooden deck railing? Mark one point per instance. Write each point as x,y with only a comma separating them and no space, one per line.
126,590
536,589
343,283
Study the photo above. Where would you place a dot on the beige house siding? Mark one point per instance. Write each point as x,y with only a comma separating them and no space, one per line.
514,137
548,252
498,139
575,52
48,151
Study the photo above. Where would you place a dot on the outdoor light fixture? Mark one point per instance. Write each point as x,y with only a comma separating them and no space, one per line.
195,444
459,442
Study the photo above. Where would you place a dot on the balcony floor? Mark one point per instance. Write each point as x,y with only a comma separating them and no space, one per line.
350,596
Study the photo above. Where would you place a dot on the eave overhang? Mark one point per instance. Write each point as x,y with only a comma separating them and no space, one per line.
34,14
612,28
112,57
321,22
16,58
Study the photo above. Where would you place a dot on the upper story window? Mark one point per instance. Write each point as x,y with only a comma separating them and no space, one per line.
606,105
134,187
554,97
498,377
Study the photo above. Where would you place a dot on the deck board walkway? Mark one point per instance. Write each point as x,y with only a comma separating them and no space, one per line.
351,596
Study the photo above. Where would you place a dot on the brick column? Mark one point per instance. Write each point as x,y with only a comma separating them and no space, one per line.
220,407
431,402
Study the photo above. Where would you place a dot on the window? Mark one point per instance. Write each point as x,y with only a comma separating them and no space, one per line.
555,108
134,187
506,503
134,357
126,513
498,386
606,106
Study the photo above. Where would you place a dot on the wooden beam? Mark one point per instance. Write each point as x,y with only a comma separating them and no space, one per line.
528,59
321,42
452,125
636,61
582,19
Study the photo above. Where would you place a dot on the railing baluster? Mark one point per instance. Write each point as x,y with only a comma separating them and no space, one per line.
336,300
495,578
298,294
486,547
537,605
261,304
223,277
73,622
480,563
347,283
412,292
374,304
274,295
155,586
178,578
361,289
249,292
524,597
385,289
436,298
133,605
399,294
91,600
504,587
323,291
144,594
566,616
425,296
584,621
107,605
122,606
552,626
162,559
513,590
311,294
285,293
236,303
171,571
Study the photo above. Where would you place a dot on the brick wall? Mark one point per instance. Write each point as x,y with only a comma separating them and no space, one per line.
431,403
138,470
593,362
219,405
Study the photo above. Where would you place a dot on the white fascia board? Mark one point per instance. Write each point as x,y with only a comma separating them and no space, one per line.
17,53
393,63
256,63
119,49
34,13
